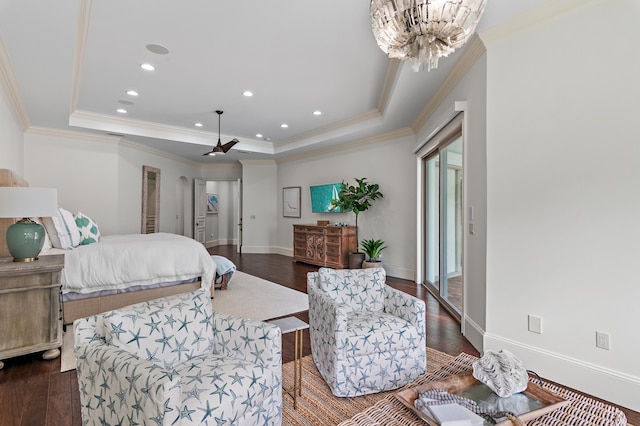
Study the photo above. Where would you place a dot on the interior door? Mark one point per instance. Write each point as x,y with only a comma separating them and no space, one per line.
239,214
199,210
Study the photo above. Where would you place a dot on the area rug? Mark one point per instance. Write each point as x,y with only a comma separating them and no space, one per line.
252,297
581,410
246,296
318,406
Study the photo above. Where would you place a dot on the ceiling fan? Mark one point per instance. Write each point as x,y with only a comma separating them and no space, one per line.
221,149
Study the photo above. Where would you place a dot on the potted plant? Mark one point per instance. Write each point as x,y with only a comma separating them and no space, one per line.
356,198
373,249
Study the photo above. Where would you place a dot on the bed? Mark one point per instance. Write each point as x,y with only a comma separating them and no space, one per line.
120,270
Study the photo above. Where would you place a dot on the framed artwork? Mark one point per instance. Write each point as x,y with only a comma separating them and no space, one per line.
291,201
212,203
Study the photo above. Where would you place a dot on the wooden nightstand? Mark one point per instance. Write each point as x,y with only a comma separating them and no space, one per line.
30,312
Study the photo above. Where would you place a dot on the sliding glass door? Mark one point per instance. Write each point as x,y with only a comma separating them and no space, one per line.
443,223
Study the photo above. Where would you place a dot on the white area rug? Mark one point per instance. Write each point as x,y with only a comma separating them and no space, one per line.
246,296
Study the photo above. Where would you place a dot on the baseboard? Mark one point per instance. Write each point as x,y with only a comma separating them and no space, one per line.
473,333
258,249
284,251
220,242
616,387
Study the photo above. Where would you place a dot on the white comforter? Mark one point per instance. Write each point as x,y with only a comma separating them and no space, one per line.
121,261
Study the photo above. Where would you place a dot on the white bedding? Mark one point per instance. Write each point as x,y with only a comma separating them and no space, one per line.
121,261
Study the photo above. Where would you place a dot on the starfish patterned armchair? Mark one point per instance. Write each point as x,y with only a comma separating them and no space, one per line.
366,337
174,361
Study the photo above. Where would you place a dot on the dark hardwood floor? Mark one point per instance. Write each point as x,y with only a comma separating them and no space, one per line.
33,392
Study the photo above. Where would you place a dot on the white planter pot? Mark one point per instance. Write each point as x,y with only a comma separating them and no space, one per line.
367,264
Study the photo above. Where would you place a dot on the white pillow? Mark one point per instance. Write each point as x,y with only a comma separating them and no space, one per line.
62,229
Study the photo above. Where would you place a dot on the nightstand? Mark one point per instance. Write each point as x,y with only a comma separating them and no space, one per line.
30,312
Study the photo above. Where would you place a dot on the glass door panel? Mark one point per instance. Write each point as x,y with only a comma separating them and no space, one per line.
432,238
443,224
451,224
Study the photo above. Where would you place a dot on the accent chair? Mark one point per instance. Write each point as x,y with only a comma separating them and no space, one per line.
366,337
175,361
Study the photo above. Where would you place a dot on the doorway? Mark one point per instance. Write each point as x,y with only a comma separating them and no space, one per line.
218,202
150,200
442,217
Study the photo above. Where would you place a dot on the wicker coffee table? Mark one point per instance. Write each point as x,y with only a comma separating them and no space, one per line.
581,411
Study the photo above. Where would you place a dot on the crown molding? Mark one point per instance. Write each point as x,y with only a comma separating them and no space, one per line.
11,88
82,31
108,123
147,149
384,137
533,17
473,51
337,127
118,140
393,71
258,162
71,134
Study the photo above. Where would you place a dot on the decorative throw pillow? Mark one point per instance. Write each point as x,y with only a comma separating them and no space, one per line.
165,331
62,229
361,289
89,232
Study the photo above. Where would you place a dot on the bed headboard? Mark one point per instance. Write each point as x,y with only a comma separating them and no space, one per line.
8,178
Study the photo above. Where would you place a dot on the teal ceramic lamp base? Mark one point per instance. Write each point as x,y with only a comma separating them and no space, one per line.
25,240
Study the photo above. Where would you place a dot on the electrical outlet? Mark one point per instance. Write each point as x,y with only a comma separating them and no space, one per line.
535,324
603,340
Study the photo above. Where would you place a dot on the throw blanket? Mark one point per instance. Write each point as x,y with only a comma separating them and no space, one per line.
121,261
224,267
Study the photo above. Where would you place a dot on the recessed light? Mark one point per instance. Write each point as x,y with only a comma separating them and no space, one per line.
198,124
247,93
122,110
317,112
284,125
132,93
258,135
147,67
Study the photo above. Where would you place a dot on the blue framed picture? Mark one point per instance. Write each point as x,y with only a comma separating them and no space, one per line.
212,203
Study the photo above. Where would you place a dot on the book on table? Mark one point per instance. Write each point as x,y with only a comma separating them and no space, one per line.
455,415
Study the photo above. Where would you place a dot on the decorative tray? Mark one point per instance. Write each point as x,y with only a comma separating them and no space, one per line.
530,404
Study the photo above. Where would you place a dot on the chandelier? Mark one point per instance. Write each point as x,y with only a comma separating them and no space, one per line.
423,30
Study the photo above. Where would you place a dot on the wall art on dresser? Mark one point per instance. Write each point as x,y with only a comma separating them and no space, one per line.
291,201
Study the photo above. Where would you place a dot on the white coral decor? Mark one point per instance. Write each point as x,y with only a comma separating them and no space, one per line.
502,372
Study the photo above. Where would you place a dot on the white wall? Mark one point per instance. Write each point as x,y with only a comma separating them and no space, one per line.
82,168
11,138
563,200
391,218
259,200
102,177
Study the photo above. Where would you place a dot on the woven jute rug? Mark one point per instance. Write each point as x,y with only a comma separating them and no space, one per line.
318,406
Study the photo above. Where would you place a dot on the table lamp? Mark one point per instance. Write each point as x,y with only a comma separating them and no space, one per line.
26,237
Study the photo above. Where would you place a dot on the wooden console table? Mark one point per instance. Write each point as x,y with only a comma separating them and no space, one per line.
30,315
324,245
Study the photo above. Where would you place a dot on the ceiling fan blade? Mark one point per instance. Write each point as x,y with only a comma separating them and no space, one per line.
227,146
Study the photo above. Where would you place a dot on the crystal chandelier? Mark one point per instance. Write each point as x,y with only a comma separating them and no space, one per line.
423,30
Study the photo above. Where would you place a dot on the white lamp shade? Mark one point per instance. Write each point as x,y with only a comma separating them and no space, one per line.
22,202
